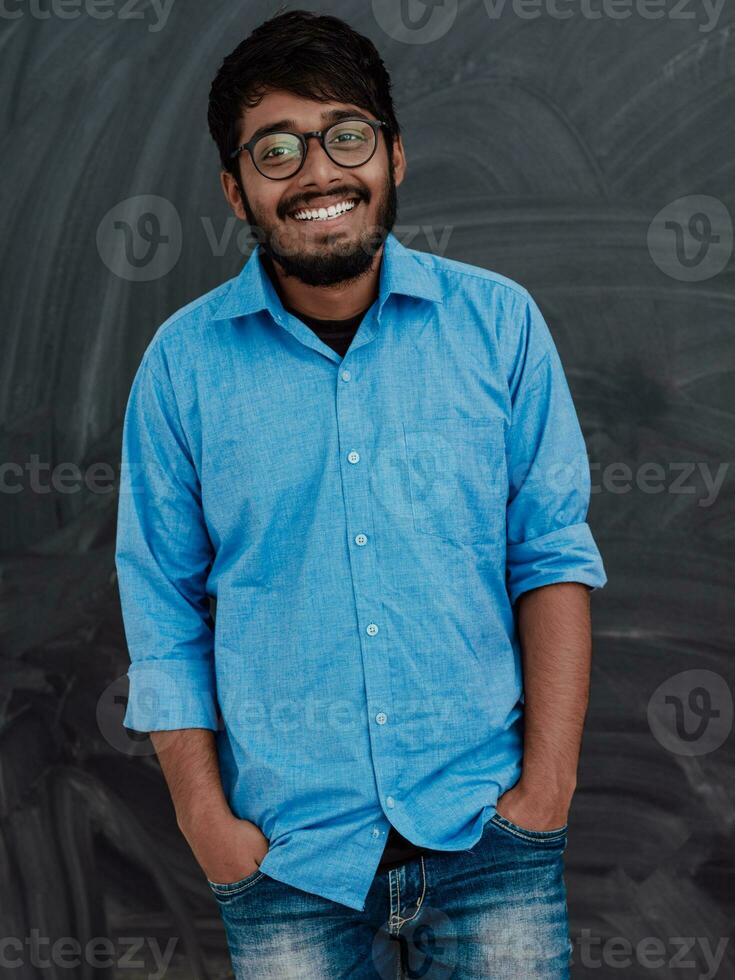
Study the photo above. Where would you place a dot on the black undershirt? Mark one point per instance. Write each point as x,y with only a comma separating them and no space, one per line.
338,335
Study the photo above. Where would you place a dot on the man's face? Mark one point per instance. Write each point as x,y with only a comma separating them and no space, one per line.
318,252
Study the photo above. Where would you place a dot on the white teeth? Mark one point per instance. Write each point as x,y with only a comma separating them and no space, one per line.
325,214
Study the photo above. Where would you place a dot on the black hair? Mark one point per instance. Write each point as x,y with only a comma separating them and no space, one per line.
315,56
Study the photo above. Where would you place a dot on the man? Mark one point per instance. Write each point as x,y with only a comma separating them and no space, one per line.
369,458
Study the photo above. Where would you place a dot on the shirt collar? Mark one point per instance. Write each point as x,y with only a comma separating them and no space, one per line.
400,272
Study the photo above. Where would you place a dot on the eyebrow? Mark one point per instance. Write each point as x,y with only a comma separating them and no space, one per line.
290,125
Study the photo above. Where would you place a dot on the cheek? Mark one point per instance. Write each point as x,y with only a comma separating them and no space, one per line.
376,181
375,191
269,202
264,202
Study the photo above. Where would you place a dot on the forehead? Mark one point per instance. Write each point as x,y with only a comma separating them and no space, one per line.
306,114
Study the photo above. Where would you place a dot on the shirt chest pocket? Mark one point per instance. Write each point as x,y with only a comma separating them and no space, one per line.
457,477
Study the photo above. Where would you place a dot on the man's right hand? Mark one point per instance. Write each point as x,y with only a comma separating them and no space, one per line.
227,848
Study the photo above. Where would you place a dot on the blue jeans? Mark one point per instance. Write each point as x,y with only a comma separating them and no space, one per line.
496,910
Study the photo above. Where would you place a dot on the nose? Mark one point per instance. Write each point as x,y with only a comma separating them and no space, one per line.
318,167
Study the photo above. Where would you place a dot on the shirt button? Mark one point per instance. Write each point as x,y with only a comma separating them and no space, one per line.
346,375
389,801
371,629
353,457
376,832
361,539
381,717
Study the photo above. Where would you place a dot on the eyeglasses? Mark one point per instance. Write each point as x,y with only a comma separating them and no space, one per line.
278,156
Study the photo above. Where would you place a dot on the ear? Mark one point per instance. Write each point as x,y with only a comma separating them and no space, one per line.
232,194
399,160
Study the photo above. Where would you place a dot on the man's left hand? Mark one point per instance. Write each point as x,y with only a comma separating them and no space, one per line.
534,808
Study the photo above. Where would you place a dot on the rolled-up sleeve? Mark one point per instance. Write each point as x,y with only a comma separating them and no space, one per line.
163,555
548,538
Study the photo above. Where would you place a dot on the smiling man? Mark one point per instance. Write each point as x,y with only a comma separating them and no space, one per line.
318,239
353,558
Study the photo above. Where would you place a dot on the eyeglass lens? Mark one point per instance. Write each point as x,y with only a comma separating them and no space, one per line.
348,143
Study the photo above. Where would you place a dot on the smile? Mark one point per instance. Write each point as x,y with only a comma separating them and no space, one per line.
325,214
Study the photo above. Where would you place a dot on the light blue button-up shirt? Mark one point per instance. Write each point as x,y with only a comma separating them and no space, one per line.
365,525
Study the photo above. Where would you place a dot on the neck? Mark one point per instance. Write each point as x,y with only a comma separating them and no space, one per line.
338,302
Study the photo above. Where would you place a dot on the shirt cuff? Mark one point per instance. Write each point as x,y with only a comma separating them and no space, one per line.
166,695
567,555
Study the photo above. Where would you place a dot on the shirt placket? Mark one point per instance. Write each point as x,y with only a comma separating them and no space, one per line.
355,462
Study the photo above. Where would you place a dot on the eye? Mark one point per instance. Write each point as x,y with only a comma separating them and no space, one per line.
348,136
274,152
277,148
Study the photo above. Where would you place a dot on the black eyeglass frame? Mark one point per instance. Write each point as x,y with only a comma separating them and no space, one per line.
303,138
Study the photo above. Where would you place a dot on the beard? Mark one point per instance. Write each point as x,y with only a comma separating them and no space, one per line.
339,260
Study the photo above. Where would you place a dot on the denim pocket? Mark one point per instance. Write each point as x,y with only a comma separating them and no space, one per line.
556,835
230,889
457,477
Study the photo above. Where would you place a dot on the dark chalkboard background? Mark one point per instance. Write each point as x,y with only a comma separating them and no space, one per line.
583,129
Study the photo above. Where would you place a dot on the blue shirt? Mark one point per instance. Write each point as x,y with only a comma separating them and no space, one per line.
365,525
